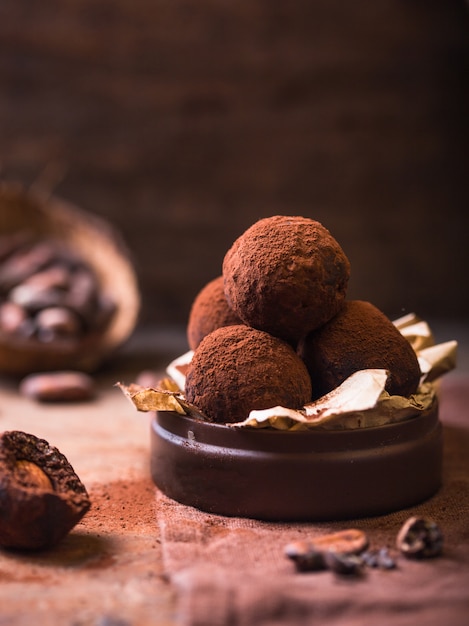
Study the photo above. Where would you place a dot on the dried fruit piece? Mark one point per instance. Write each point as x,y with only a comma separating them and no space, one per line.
420,538
58,387
41,497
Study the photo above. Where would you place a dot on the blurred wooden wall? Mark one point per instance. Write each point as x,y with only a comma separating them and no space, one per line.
184,122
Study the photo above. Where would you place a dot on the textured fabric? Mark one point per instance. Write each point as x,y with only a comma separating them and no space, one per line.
233,572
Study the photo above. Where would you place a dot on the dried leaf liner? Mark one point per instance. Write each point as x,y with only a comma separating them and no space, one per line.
359,402
101,247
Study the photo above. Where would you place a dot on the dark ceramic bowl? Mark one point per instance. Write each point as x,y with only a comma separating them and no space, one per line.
308,475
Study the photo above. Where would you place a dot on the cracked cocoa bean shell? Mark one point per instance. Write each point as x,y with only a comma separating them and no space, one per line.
41,496
420,538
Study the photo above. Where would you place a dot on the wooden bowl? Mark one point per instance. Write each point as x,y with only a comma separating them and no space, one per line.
97,243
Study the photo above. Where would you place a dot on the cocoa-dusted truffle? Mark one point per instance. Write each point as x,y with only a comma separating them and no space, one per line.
359,337
210,310
286,275
236,369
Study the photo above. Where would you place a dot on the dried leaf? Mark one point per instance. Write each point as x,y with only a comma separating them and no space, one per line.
361,401
437,360
148,399
359,392
418,335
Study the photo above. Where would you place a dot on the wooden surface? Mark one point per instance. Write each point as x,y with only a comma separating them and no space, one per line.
185,123
108,571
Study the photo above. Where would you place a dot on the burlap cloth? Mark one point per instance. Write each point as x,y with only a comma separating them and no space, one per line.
233,572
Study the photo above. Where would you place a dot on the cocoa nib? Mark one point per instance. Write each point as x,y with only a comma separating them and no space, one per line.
41,497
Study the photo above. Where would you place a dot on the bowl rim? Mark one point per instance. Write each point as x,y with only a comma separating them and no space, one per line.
314,439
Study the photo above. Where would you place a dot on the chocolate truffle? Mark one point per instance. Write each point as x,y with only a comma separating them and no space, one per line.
209,311
286,275
236,369
359,337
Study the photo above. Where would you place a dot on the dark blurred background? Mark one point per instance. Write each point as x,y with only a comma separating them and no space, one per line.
184,122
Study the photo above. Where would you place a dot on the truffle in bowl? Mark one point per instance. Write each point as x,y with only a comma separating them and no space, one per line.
359,337
236,369
286,276
210,310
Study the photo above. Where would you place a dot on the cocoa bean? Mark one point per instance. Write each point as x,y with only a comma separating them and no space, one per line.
11,243
34,296
23,263
50,294
57,322
105,312
66,386
12,317
57,276
337,551
349,541
82,295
